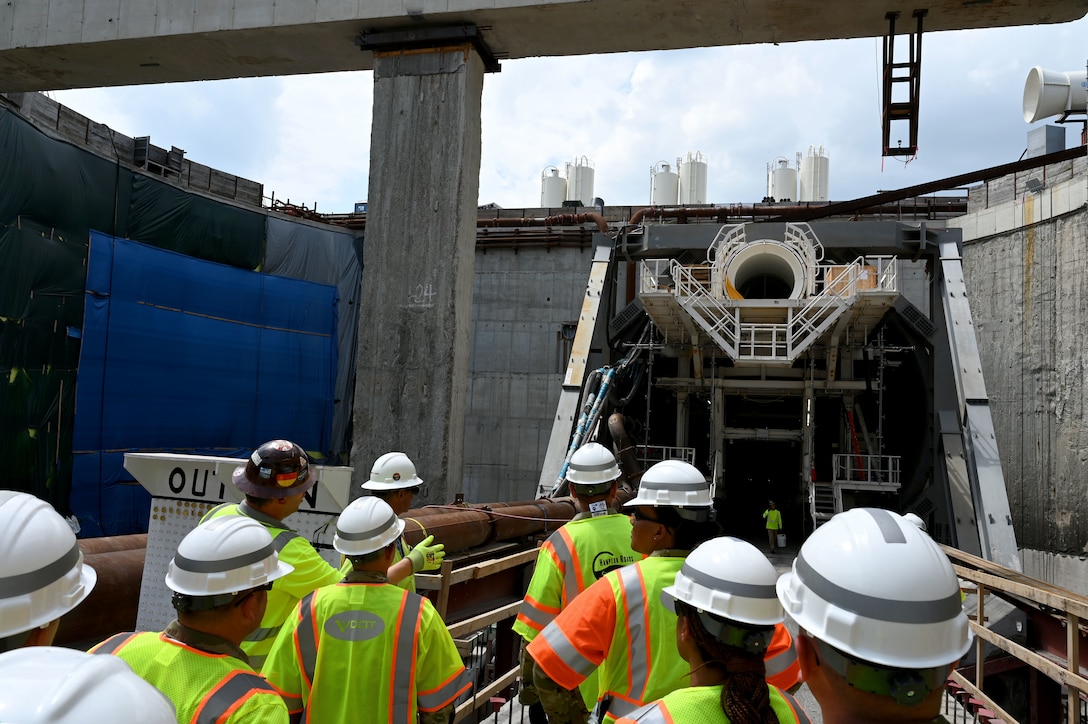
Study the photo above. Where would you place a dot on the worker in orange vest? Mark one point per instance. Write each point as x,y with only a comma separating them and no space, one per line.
619,624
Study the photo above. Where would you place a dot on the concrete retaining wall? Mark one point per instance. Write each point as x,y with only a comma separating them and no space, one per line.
1029,297
521,300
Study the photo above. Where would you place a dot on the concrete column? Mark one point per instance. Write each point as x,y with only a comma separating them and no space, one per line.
418,262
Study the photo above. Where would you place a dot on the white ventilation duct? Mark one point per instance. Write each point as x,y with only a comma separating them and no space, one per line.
1051,92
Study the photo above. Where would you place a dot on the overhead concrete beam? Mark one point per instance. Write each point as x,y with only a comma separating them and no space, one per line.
57,44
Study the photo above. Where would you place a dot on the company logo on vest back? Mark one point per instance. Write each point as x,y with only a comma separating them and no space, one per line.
607,561
354,626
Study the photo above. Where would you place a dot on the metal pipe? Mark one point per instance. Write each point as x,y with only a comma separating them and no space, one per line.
627,453
559,220
119,561
114,601
463,528
107,544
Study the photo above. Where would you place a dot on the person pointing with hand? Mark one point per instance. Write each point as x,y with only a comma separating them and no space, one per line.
393,479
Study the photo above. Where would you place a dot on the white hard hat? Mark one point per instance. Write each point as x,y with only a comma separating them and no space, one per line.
42,573
675,484
368,524
222,557
872,585
916,520
592,469
64,686
729,578
393,471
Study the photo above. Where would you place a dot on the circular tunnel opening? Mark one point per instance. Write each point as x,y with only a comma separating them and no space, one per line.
765,286
766,270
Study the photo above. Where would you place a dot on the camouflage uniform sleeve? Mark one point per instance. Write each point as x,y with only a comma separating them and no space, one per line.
563,706
440,716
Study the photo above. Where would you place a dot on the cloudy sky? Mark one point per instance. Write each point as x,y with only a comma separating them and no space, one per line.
307,138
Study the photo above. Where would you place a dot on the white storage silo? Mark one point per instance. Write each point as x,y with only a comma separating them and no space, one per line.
815,167
664,185
781,180
553,188
692,178
580,180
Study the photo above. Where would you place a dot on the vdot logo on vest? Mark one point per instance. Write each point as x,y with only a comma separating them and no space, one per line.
607,561
354,626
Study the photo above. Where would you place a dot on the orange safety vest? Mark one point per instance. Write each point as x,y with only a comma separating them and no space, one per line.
619,625
783,668
571,560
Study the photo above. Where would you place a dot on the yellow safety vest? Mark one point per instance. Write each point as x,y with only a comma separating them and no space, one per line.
703,704
571,560
311,572
366,652
619,626
206,688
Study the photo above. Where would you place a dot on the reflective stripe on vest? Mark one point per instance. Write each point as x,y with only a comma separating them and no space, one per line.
263,633
798,712
638,637
113,644
781,662
565,650
434,699
568,564
404,659
228,695
656,713
306,638
536,614
404,656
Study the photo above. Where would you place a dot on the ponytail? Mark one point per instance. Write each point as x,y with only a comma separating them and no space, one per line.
745,697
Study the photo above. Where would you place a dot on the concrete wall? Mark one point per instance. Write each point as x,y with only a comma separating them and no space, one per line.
1028,285
521,299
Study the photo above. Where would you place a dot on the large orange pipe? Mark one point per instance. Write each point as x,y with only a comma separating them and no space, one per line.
463,528
113,602
119,560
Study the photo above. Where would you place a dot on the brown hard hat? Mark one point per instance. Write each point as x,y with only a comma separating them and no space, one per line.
277,469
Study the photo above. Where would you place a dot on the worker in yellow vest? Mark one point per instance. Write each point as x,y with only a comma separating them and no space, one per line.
882,626
727,610
363,649
596,541
65,686
274,481
393,478
773,517
619,624
42,573
220,576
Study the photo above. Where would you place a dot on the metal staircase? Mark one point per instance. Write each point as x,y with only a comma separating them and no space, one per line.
824,500
767,342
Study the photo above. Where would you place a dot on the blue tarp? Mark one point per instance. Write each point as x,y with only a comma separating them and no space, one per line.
187,355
